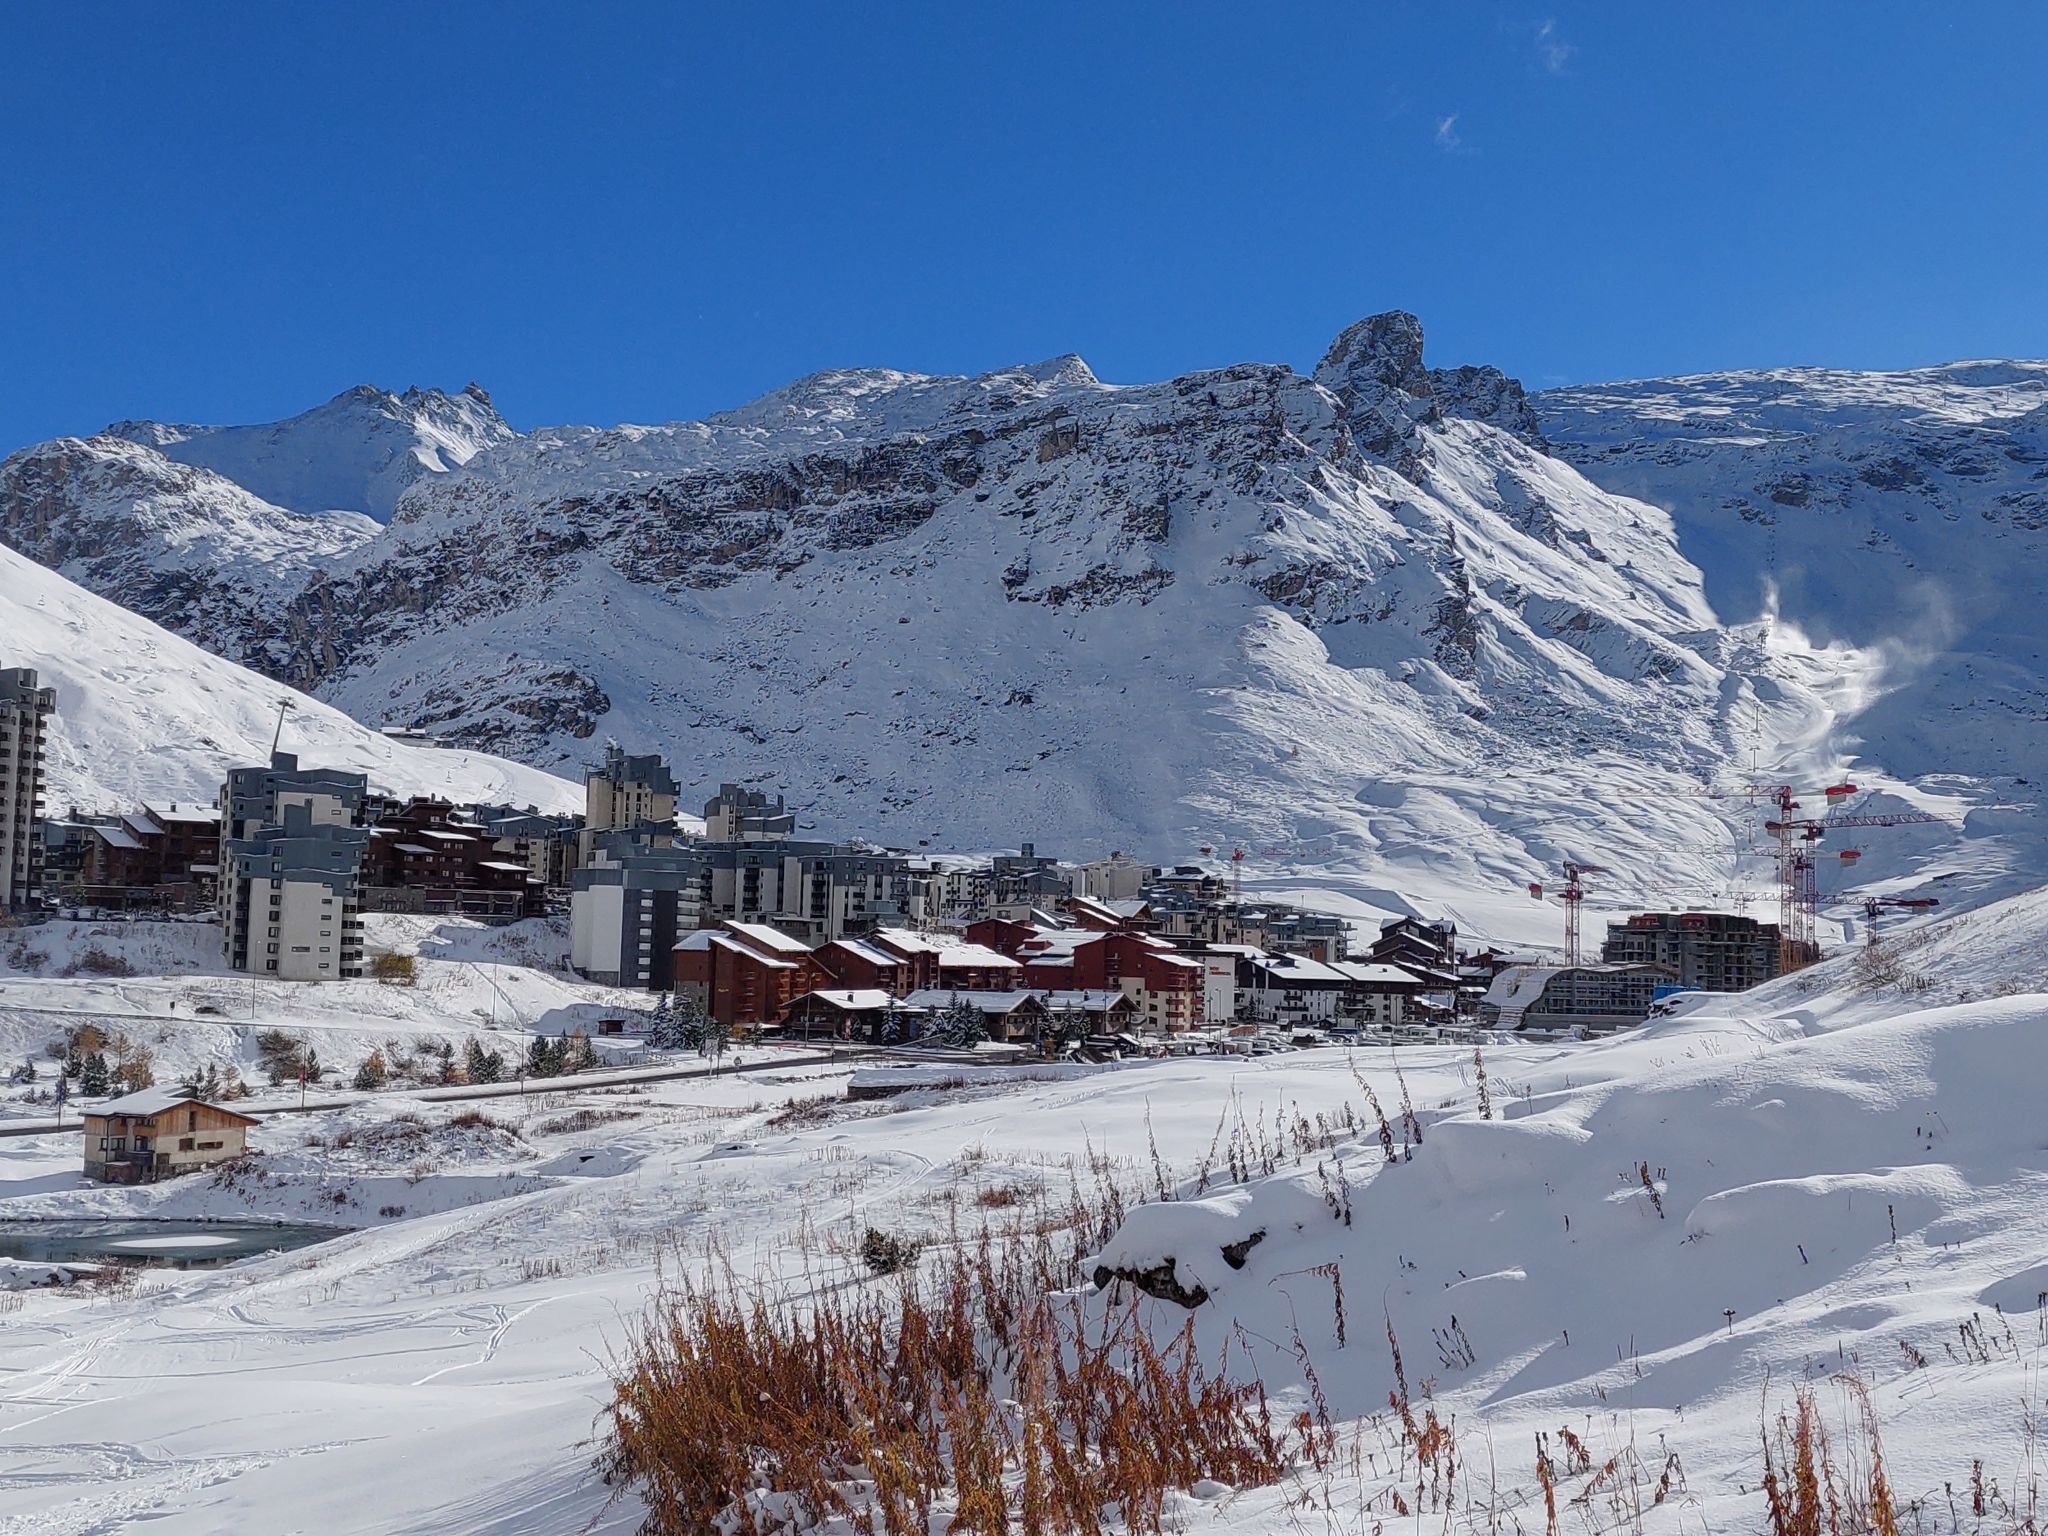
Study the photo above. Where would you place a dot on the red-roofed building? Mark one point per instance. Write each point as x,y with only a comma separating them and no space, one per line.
744,975
857,965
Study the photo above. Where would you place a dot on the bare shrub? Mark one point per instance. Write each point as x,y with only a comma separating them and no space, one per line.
94,961
979,1390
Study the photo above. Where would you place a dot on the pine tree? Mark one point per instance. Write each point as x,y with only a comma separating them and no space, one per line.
484,1066
314,1071
371,1075
542,1057
661,1026
93,1076
716,1037
961,1025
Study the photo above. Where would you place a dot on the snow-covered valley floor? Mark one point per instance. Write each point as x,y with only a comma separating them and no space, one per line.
1650,1243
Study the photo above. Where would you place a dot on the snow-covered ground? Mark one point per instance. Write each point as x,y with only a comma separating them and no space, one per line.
178,999
1649,1243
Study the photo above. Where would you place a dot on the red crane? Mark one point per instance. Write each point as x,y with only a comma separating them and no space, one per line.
1573,893
1798,893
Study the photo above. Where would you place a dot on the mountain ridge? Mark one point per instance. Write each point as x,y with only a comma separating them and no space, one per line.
1370,621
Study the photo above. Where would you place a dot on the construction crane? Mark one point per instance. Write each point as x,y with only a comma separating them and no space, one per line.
1798,890
1875,907
1573,893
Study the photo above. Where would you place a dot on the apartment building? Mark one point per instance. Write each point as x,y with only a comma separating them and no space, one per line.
25,710
255,798
1712,951
626,793
291,898
628,908
740,815
1579,999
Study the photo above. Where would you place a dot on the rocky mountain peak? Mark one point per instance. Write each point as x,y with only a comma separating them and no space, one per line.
1374,368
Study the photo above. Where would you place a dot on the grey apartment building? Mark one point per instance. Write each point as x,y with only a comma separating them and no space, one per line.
25,710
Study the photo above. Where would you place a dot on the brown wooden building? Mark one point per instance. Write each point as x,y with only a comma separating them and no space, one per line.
158,1133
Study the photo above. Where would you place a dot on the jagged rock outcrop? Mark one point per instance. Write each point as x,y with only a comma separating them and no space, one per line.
1484,393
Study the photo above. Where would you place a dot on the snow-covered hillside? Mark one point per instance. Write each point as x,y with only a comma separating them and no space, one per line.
143,713
356,453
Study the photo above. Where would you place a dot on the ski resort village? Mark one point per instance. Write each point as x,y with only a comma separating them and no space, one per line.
1300,927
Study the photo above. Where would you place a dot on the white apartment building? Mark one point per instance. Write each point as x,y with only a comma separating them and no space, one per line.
290,899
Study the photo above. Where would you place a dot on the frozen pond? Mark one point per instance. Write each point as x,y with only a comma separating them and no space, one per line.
179,1244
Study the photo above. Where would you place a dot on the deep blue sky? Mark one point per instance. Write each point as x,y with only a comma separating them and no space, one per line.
611,212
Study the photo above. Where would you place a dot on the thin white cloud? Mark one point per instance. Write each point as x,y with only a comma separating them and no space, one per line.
1447,133
1554,52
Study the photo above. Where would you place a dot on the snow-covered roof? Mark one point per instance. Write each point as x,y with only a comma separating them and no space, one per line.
1082,1000
852,999
727,942
774,940
517,869
1296,968
117,837
1518,986
1374,974
908,940
980,956
448,837
860,949
172,810
1057,943
987,1002
412,848
146,1102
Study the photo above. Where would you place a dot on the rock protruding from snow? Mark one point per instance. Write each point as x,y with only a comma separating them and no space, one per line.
1484,393
1375,368
359,452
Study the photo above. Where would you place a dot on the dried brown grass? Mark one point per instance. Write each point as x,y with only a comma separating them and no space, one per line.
977,1384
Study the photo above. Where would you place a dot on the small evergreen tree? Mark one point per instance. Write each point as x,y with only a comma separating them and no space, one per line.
373,1073
483,1066
93,1076
961,1025
543,1057
661,1026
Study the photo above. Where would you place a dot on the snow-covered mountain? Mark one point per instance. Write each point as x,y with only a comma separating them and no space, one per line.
1370,622
143,713
1905,514
357,453
183,546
